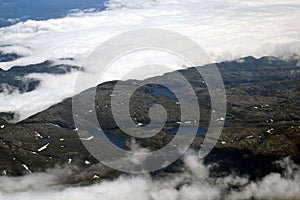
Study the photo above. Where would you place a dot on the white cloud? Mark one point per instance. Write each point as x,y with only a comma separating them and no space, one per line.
225,29
236,28
193,183
274,185
53,88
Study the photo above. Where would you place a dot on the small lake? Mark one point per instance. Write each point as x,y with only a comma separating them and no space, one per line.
117,140
168,93
247,72
163,91
201,132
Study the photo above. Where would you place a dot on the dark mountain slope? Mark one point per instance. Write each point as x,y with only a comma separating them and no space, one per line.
262,123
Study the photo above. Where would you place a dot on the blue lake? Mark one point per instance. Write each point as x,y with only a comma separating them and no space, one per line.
168,93
247,72
187,130
164,91
116,140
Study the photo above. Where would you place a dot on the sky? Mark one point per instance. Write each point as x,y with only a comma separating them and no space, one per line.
13,11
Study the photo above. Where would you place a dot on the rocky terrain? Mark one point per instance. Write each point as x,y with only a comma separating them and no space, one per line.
261,126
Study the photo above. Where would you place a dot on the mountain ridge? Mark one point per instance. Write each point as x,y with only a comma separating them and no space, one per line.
262,124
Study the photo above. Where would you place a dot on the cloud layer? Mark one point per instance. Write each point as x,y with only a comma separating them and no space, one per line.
193,183
225,29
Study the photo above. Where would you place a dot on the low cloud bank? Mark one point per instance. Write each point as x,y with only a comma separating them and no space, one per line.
193,183
52,89
225,29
